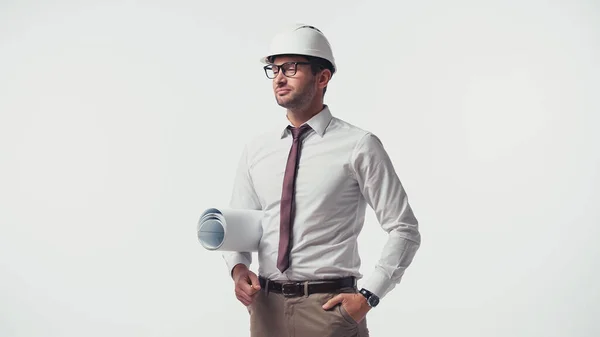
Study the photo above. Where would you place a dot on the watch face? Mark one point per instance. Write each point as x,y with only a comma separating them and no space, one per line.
373,301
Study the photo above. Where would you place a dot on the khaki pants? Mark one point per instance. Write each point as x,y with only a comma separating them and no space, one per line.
273,315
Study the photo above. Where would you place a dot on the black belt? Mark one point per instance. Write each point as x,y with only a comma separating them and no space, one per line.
297,288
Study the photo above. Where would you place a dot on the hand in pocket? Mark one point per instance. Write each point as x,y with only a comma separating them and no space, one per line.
354,304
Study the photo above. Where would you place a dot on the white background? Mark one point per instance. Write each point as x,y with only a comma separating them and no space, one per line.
121,122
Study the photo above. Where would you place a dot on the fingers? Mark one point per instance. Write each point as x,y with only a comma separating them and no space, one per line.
244,292
246,288
254,281
243,297
332,302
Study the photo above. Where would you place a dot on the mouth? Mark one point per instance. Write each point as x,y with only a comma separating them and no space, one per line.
282,91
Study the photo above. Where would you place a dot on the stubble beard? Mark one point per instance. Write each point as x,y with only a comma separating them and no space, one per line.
297,100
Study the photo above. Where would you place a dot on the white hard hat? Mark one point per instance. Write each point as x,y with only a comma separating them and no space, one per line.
301,39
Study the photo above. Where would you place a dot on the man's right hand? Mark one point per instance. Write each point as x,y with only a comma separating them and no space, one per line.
246,284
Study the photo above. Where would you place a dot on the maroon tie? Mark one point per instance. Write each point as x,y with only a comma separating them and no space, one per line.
287,198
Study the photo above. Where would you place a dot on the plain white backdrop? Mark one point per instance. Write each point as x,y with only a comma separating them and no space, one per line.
120,122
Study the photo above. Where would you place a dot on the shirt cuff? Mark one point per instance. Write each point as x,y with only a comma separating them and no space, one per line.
234,258
379,284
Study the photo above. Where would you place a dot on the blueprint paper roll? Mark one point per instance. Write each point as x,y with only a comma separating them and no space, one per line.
237,230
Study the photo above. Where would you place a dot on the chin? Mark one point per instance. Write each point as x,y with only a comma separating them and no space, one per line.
281,101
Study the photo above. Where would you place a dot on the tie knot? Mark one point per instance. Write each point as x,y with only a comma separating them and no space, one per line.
297,132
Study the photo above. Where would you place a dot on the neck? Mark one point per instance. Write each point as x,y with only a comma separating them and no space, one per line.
299,116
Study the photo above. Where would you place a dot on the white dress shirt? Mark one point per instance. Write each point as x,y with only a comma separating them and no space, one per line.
341,169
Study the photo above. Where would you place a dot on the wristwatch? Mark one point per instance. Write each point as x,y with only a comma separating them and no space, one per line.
372,299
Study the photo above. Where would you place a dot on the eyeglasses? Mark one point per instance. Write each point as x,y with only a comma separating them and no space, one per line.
289,69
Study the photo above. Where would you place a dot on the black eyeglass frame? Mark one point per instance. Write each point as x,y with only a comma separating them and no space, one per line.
282,68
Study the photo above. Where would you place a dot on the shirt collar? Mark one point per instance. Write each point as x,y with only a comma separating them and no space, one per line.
318,122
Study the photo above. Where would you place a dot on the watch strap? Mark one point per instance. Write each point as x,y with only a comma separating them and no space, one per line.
372,299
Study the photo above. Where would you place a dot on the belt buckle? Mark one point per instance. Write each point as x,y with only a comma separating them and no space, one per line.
289,289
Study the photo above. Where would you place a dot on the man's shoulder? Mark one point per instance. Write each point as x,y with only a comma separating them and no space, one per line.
361,138
349,129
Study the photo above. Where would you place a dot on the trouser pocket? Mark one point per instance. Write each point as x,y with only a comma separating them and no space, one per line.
346,315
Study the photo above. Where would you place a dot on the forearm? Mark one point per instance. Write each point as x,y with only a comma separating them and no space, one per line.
397,255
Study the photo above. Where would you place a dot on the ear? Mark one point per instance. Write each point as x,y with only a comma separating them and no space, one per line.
324,78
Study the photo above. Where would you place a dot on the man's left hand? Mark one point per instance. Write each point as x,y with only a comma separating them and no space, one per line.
355,304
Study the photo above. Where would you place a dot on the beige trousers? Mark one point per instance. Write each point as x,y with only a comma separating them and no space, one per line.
273,315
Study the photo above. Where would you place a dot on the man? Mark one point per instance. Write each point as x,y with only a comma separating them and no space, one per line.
313,179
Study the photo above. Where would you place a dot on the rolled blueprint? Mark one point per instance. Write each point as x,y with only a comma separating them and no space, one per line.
238,230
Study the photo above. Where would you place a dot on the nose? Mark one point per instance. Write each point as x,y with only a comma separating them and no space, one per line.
280,78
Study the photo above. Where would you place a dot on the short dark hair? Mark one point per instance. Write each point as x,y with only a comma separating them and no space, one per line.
316,64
